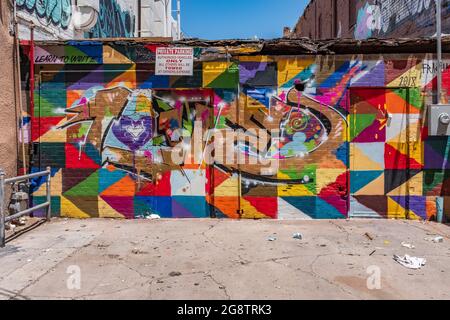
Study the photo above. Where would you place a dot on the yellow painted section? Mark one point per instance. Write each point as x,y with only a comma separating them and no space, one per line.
126,79
111,56
69,210
361,161
228,188
285,190
288,68
55,189
256,59
411,78
212,70
252,103
54,134
250,211
105,210
144,105
414,152
413,187
396,211
375,188
326,177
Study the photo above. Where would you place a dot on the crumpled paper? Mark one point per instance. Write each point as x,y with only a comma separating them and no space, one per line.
411,262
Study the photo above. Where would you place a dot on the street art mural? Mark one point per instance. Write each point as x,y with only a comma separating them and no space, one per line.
114,21
312,137
55,12
392,18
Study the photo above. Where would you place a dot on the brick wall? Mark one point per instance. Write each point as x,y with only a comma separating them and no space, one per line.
109,127
8,138
362,19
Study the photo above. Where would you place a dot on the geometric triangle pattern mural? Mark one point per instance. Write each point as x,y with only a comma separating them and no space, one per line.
124,142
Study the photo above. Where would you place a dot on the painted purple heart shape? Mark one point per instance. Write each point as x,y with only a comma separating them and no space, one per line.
133,133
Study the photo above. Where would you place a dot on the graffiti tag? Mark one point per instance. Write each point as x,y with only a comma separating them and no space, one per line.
57,12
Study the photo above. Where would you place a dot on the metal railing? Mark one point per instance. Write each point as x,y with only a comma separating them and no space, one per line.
47,205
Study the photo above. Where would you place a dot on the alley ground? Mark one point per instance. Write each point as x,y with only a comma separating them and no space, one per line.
223,259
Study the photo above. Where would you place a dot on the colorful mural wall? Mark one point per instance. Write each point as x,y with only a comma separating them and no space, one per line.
352,142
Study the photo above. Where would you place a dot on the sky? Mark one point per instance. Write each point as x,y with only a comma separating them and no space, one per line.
239,19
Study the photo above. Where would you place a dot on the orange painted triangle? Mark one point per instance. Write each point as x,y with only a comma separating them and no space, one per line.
125,187
219,177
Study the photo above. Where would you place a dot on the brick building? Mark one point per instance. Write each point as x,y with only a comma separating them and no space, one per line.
363,19
8,114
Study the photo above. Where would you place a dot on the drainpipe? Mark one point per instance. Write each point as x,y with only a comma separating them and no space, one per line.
32,74
439,49
165,4
139,18
440,215
179,19
18,84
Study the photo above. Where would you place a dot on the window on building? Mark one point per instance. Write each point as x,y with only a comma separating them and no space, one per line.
352,13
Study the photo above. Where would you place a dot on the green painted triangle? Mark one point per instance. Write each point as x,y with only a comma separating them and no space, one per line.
359,123
413,96
432,179
88,187
158,141
72,51
228,79
163,105
45,108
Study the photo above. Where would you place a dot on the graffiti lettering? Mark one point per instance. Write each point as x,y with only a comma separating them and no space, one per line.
382,18
56,12
113,21
54,59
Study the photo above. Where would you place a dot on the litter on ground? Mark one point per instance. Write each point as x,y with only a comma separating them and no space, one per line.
408,245
297,236
435,239
410,262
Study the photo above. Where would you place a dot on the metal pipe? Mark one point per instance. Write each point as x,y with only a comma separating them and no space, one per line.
2,213
179,19
47,205
19,87
27,211
32,77
439,49
139,18
49,194
27,177
439,217
165,3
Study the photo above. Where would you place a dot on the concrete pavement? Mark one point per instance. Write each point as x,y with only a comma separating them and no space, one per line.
223,259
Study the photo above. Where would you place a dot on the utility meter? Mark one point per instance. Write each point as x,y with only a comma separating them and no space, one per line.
439,120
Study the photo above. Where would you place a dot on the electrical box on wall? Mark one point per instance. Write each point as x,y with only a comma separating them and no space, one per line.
439,120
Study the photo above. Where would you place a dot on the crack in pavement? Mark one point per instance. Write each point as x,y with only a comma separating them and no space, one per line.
221,286
342,229
222,247
73,253
315,274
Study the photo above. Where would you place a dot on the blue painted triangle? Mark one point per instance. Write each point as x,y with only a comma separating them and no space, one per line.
360,179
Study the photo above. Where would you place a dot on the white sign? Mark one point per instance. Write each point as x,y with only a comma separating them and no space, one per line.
174,61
